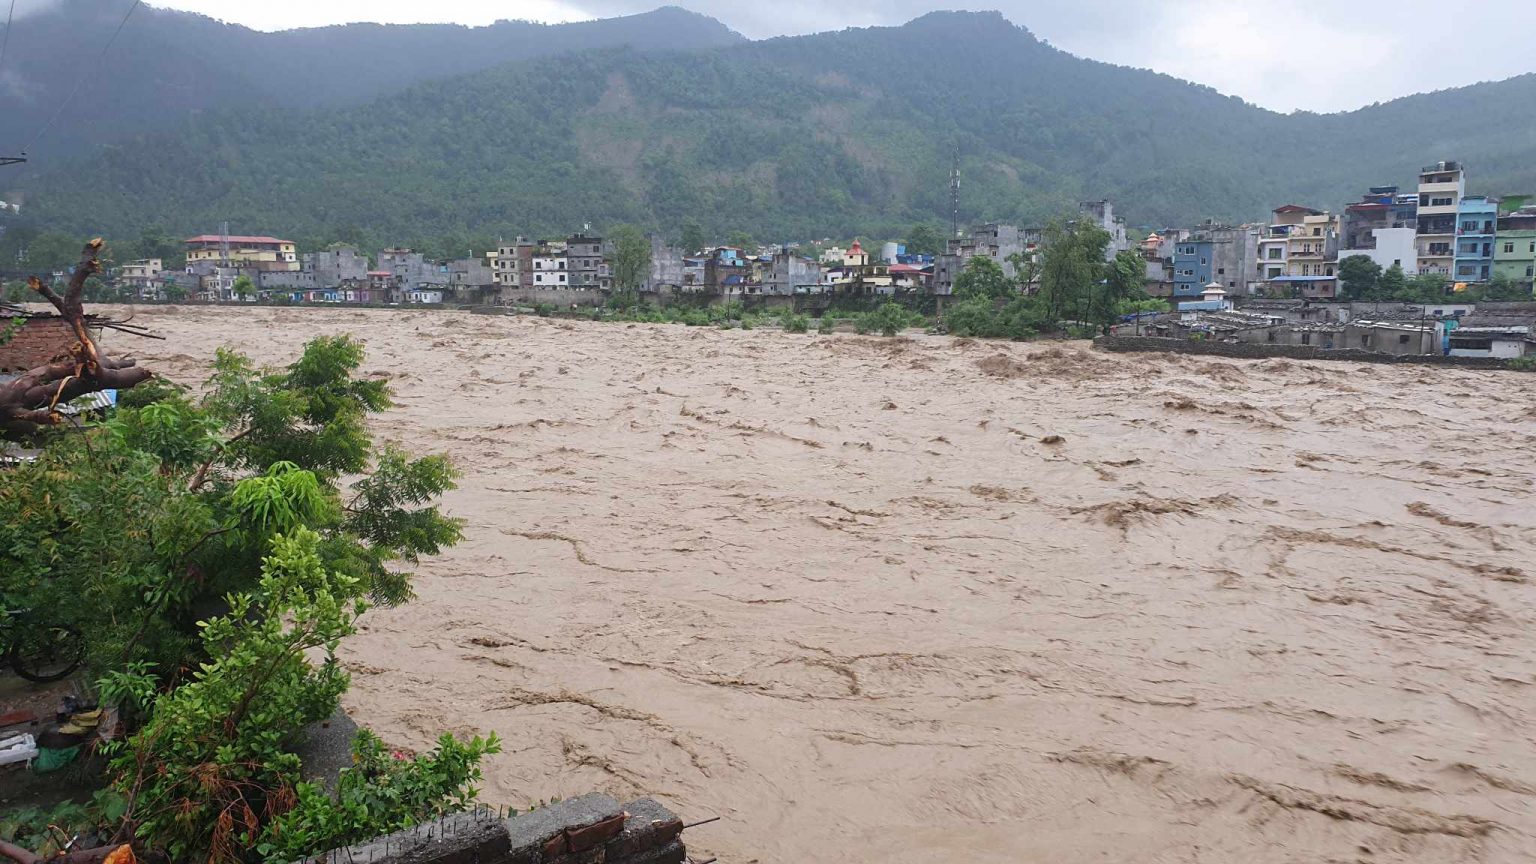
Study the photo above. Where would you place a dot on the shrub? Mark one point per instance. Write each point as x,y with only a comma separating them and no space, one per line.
381,793
796,323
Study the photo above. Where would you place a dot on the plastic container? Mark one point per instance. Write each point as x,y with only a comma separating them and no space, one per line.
21,748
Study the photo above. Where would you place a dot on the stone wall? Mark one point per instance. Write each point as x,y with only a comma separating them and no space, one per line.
1253,351
592,829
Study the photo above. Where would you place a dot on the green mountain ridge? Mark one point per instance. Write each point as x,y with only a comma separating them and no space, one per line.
850,132
166,64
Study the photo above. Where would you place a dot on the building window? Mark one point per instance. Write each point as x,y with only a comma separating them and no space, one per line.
1306,338
1403,339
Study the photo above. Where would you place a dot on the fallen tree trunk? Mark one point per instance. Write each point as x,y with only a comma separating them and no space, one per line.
30,401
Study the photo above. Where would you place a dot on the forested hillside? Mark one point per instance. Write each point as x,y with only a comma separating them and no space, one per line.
166,64
831,134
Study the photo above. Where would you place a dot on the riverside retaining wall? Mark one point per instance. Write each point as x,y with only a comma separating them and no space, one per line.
1248,351
591,829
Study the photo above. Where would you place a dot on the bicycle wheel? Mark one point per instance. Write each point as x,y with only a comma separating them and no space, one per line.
45,654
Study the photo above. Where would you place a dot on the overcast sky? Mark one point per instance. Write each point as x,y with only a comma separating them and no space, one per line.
1321,56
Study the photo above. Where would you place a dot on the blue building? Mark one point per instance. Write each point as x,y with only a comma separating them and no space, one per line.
1476,225
1192,267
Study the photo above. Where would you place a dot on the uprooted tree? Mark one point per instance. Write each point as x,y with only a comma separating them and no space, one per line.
31,400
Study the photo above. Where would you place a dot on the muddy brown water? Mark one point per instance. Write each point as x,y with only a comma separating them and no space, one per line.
839,590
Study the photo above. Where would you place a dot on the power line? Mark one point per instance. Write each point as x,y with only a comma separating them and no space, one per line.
96,68
6,43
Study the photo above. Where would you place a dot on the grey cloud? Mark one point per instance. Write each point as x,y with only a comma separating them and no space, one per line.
1322,57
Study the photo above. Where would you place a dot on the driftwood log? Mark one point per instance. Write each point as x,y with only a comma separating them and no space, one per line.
30,401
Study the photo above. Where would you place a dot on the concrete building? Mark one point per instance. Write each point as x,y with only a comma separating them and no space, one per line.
207,251
1490,334
791,274
587,264
551,268
1441,188
1382,226
336,266
1514,250
142,276
1102,213
473,280
1275,244
1477,220
406,267
1299,253
666,267
514,266
995,241
1192,267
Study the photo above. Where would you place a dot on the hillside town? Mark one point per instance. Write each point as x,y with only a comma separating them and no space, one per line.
1278,282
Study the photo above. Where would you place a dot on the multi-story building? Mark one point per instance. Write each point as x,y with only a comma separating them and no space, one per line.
514,266
998,242
142,276
473,280
1102,213
551,268
1275,244
1382,226
333,267
790,273
1224,254
1477,220
1192,265
588,265
1514,251
1441,188
207,251
666,266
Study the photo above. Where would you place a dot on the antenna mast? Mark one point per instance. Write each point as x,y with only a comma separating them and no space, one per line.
954,196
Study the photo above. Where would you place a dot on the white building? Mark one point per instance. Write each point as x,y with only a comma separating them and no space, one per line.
550,270
1441,188
1393,246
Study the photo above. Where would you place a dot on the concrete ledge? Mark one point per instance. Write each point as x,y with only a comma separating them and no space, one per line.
1250,351
590,829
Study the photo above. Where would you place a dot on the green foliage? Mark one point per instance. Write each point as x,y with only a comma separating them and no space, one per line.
1072,278
382,792
924,239
796,324
1392,282
127,529
1359,278
1032,128
888,320
211,765
983,279
741,240
1523,364
243,287
1019,319
631,257
828,325
693,239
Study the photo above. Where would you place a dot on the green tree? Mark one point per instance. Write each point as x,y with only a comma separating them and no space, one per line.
266,497
243,286
1359,278
982,279
741,240
693,237
1393,284
924,239
631,257
1071,268
1427,288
